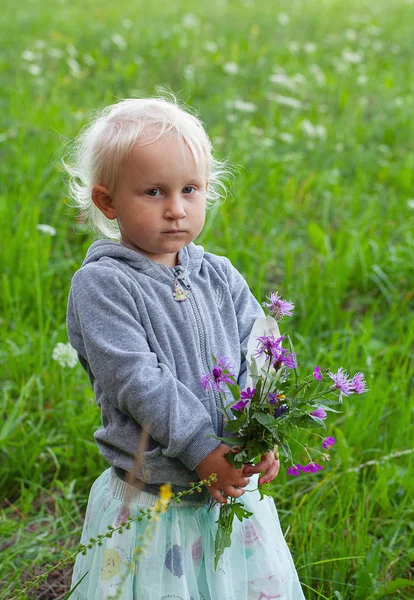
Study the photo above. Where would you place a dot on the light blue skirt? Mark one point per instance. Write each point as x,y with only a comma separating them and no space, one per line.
177,562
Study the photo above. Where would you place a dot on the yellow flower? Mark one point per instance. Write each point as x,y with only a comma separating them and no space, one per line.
166,493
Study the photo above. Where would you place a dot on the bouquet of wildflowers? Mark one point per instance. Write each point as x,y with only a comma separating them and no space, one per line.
275,405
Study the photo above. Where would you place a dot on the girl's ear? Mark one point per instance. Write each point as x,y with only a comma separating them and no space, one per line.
102,199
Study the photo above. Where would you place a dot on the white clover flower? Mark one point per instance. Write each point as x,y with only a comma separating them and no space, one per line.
55,53
352,57
351,34
285,100
231,68
310,48
190,21
28,55
71,50
286,137
410,202
313,131
244,106
283,18
282,79
294,47
89,60
189,72
48,229
34,69
210,46
362,79
65,355
318,74
119,41
74,66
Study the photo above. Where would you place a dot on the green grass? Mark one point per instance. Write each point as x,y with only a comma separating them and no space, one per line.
328,221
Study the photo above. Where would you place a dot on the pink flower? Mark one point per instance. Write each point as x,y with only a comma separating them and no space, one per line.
311,468
328,441
295,470
358,384
278,307
342,383
248,394
240,405
317,373
320,413
220,374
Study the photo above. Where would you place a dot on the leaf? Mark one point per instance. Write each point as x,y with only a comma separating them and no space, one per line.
235,391
74,588
266,420
395,585
264,490
240,511
223,535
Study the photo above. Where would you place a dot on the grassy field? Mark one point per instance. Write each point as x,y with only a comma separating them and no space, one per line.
314,101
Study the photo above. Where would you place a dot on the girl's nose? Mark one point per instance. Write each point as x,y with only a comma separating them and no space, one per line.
175,209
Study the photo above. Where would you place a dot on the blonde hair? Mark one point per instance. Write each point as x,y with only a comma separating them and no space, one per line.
96,154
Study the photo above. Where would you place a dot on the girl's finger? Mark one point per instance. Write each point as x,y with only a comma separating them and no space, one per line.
218,495
263,465
270,474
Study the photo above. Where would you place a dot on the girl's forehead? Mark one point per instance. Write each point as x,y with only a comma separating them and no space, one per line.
162,154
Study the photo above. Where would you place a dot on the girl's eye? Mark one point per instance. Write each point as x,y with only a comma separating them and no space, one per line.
189,189
153,193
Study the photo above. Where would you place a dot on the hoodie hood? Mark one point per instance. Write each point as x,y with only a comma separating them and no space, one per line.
190,257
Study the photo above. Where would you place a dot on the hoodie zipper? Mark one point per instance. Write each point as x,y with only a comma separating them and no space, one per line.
181,276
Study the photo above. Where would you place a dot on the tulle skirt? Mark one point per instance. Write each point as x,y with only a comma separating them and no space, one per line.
177,560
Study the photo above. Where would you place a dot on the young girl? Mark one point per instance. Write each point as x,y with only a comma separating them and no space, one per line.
147,310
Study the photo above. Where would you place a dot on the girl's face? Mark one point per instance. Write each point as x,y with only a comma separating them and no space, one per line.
159,199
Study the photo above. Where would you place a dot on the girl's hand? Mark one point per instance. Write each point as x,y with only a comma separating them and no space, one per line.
229,480
269,466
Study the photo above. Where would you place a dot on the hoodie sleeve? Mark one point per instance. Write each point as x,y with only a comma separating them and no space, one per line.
104,327
247,310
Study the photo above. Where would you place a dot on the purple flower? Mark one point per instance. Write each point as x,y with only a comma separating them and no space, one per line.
220,374
342,383
317,373
320,413
273,398
267,344
328,441
295,470
358,384
278,307
311,468
272,347
240,405
248,394
280,410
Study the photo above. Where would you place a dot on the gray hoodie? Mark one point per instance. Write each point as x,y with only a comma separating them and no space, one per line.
145,333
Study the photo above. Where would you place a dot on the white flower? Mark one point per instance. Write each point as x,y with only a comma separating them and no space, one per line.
244,106
189,72
294,47
127,23
314,131
362,79
286,137
283,79
374,30
55,52
378,46
74,66
190,21
285,100
267,142
351,57
48,229
28,55
310,47
89,60
65,355
410,202
351,34
318,74
231,68
34,69
39,44
71,50
119,41
210,46
283,18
